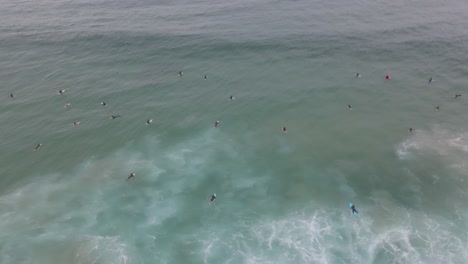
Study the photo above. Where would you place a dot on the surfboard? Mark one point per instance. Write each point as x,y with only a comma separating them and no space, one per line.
355,213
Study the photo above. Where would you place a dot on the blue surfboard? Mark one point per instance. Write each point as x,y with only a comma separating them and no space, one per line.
355,213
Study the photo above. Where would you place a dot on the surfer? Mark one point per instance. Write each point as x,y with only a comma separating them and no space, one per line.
213,197
66,105
437,108
388,77
231,97
353,209
103,103
216,123
358,75
430,80
149,121
38,146
115,116
205,77
349,107
457,95
132,175
76,123
180,73
61,91
410,130
12,95
284,129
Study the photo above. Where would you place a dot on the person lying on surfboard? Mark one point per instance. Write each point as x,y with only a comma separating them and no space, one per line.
353,209
213,197
132,175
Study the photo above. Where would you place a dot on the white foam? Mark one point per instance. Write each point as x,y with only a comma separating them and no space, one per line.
297,238
451,146
395,243
101,249
159,211
335,237
321,236
405,148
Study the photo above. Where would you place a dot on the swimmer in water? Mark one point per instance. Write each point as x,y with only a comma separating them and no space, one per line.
12,95
349,107
213,197
38,146
358,75
231,97
216,123
353,209
410,130
61,91
430,80
284,129
181,73
76,123
388,77
437,108
205,77
132,175
66,105
115,116
457,95
103,103
149,121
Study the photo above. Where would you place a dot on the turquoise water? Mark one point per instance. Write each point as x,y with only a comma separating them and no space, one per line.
281,197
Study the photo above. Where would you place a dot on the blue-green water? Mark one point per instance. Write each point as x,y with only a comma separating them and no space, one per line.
282,197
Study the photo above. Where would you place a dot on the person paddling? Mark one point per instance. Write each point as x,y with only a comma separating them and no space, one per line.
132,175
213,197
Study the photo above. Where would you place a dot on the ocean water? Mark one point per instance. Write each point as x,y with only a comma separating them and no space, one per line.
281,197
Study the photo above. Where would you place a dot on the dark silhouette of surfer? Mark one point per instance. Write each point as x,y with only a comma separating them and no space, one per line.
353,209
132,175
213,197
